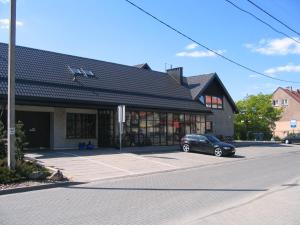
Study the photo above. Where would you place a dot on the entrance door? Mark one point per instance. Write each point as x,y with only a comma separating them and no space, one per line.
106,125
37,128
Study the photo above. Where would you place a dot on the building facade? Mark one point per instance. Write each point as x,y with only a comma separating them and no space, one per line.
289,100
65,100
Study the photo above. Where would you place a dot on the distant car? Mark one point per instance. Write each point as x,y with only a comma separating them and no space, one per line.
206,144
291,138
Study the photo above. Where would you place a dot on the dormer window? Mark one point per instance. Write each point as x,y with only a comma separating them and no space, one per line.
80,72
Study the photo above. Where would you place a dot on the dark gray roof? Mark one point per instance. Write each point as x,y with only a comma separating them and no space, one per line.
45,75
143,66
198,84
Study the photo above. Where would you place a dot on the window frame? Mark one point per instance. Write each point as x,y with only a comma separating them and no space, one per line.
84,125
219,106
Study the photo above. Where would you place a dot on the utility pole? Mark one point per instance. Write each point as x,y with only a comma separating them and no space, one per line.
11,160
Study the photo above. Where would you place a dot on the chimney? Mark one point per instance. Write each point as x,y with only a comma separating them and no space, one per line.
290,88
298,91
177,74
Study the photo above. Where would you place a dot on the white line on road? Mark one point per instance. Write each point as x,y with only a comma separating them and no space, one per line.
100,163
151,160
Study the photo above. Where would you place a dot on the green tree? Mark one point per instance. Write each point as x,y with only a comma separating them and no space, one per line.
20,141
256,115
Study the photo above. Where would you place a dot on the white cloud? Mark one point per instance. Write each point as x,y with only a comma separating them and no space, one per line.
191,46
4,1
290,68
198,54
283,46
4,23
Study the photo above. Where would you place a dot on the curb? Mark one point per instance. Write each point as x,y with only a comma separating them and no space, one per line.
38,187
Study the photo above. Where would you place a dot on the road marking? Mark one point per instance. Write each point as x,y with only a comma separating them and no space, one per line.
151,160
100,163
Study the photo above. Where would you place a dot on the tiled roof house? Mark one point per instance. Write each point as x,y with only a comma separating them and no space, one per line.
64,100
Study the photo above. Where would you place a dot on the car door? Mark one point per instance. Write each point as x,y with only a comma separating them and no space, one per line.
194,143
297,138
203,144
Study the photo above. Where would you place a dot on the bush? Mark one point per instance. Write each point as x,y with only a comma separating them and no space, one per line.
20,141
8,176
22,171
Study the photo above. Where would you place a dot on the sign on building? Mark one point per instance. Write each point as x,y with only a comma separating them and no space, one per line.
293,123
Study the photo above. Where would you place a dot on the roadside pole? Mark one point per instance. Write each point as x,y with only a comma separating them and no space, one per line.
121,120
11,161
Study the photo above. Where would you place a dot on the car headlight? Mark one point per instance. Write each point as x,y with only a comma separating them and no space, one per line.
227,148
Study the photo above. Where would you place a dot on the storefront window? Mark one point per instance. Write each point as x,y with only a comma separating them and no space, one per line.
163,128
81,125
143,127
187,123
156,129
170,129
150,129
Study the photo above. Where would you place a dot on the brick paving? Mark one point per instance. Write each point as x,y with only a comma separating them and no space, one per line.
86,166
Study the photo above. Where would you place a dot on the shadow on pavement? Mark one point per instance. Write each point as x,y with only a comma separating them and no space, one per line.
45,154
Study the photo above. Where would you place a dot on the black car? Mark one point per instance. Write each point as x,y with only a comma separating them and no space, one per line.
206,144
291,138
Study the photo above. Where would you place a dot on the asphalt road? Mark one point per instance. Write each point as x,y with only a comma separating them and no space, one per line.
231,193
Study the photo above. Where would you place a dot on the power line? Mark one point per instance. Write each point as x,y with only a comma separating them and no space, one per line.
267,24
207,48
269,14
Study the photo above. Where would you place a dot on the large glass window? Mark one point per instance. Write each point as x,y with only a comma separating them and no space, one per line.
160,128
156,128
150,129
134,138
81,125
143,128
187,123
163,128
170,129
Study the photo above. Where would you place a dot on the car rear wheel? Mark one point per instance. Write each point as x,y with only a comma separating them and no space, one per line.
218,152
186,148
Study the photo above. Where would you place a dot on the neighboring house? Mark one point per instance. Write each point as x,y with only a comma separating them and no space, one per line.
64,100
289,100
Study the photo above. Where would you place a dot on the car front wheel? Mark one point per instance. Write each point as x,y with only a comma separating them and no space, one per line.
218,152
186,148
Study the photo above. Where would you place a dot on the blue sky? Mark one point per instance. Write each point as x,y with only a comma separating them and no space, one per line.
112,30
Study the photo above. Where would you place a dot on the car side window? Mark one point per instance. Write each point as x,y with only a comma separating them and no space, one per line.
201,138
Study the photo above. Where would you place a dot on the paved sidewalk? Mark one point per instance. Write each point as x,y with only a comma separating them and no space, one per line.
87,165
277,207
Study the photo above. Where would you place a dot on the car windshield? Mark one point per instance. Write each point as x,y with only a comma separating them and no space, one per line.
213,139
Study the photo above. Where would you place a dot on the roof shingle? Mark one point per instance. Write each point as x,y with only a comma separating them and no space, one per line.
45,75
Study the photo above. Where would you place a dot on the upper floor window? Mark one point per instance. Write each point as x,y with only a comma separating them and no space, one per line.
275,103
284,102
278,102
214,102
